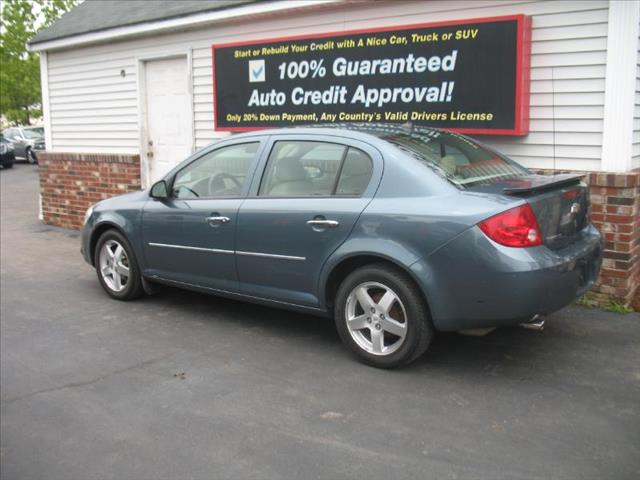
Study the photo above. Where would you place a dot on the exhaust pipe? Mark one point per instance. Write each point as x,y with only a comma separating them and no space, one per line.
536,323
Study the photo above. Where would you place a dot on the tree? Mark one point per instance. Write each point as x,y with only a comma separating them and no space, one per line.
20,94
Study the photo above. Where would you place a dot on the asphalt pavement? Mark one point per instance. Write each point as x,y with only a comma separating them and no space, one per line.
186,386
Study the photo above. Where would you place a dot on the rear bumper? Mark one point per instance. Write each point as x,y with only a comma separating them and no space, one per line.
472,282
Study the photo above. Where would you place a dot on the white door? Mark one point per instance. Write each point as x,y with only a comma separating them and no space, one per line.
169,127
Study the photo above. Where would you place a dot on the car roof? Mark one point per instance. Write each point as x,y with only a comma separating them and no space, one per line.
363,131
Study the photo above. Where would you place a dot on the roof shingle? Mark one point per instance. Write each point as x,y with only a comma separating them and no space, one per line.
97,15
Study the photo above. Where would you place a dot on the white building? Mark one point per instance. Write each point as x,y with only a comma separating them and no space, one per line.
136,77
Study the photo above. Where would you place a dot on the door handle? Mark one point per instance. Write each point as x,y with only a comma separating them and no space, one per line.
214,221
323,223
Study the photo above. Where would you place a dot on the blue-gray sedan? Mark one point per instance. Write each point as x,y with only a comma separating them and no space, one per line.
394,231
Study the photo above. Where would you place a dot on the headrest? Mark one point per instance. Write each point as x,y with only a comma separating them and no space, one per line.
289,169
448,164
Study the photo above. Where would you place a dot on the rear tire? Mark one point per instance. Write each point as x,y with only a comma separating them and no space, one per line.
117,267
381,317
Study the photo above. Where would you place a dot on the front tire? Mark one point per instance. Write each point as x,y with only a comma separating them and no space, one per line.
117,267
31,157
381,317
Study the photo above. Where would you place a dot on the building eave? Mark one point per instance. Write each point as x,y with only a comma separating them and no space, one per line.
164,26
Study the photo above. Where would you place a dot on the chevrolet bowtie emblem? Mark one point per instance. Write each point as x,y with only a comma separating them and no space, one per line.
575,208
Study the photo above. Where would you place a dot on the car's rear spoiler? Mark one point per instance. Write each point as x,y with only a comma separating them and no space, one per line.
538,183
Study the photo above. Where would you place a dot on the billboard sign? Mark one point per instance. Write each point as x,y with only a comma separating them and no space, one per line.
471,76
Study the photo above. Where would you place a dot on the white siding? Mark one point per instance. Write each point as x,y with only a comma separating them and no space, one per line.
95,109
635,162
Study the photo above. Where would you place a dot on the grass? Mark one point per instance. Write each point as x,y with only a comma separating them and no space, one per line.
613,306
616,307
582,301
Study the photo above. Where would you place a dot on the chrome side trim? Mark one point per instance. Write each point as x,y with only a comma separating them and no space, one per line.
218,250
185,247
271,255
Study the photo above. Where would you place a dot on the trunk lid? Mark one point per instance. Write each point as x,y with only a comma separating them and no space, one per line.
560,203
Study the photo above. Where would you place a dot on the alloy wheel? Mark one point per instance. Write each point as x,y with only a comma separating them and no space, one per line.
114,265
376,318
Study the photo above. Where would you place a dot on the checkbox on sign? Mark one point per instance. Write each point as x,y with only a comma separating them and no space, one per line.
256,71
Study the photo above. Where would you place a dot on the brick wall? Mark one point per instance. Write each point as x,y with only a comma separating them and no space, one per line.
615,211
70,182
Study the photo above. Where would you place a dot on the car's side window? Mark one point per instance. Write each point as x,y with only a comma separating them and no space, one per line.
302,169
309,168
220,173
355,174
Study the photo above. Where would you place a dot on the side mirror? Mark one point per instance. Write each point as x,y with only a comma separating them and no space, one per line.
160,190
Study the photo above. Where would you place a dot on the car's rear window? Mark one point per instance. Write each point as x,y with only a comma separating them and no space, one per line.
461,160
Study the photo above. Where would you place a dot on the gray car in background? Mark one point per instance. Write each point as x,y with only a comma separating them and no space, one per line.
395,232
27,142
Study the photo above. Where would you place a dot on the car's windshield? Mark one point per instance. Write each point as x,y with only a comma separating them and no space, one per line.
463,161
33,132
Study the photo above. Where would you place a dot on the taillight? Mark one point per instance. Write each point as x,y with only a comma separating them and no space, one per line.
517,227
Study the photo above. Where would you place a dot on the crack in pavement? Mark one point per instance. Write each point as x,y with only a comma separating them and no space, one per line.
84,383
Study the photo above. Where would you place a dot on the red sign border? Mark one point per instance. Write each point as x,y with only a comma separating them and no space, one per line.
523,64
